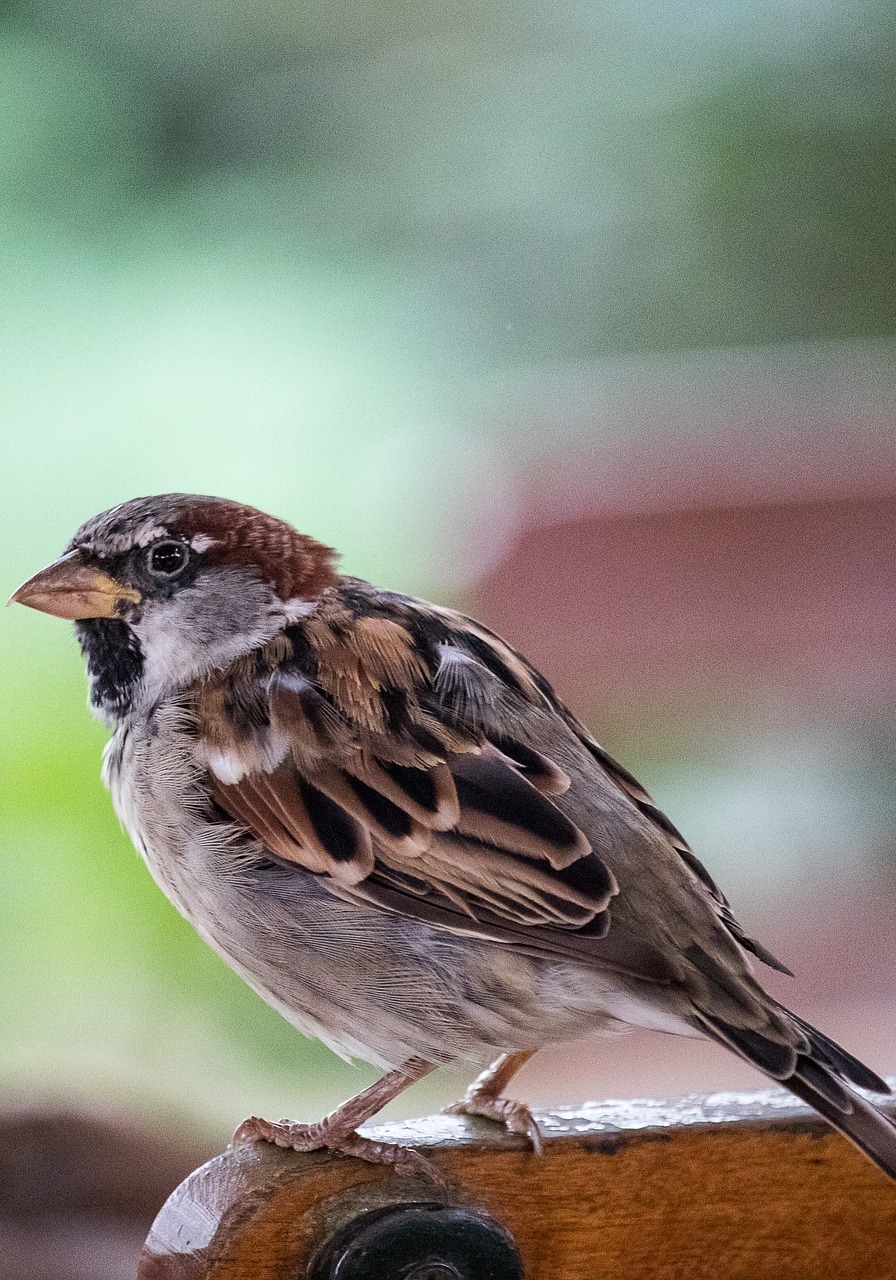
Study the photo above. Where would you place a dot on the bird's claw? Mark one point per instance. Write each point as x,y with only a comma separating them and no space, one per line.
348,1142
516,1117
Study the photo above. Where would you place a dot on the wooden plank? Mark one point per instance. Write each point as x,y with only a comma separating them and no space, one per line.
729,1187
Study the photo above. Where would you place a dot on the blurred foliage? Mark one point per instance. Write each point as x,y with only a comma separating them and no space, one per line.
277,251
557,181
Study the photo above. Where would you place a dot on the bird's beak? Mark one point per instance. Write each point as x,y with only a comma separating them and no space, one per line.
70,589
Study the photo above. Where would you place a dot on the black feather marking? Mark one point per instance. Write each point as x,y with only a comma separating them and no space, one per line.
544,775
418,784
246,703
395,705
357,596
771,1056
485,783
114,662
336,830
426,740
392,819
429,631
589,875
303,656
290,692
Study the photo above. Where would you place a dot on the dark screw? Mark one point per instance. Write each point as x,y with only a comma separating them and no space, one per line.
419,1242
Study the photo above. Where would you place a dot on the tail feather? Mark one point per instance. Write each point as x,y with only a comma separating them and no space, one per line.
819,1072
870,1130
840,1061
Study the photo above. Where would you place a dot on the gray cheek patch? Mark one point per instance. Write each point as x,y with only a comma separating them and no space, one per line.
204,627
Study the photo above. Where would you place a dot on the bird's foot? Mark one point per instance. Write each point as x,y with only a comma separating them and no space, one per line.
514,1116
347,1142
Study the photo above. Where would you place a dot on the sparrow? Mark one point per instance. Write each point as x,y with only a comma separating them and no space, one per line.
385,820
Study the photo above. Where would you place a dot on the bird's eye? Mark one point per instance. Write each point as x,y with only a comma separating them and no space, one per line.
167,559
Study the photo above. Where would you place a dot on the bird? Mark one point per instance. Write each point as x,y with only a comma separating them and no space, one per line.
382,816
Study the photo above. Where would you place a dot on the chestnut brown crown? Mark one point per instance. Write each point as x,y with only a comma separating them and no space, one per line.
225,532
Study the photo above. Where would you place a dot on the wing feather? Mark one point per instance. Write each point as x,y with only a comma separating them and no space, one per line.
396,780
499,806
298,822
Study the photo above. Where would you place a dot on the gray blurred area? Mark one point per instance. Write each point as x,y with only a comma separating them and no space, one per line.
79,1190
581,317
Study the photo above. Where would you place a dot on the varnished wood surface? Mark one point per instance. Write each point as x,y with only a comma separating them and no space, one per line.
730,1187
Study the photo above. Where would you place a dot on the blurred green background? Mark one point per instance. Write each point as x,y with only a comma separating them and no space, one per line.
325,258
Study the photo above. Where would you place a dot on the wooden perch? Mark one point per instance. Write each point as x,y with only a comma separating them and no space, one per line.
726,1187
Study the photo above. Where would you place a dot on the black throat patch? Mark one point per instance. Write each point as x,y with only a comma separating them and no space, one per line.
114,663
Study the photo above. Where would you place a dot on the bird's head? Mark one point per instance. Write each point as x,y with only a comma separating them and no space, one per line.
166,589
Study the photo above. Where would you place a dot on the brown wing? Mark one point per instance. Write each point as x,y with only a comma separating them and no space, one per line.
384,760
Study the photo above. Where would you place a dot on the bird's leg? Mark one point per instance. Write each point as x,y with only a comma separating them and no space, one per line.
483,1098
338,1130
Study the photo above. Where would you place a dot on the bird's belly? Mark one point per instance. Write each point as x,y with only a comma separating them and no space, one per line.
376,985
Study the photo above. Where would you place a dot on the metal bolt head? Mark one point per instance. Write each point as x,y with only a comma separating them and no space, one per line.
419,1242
